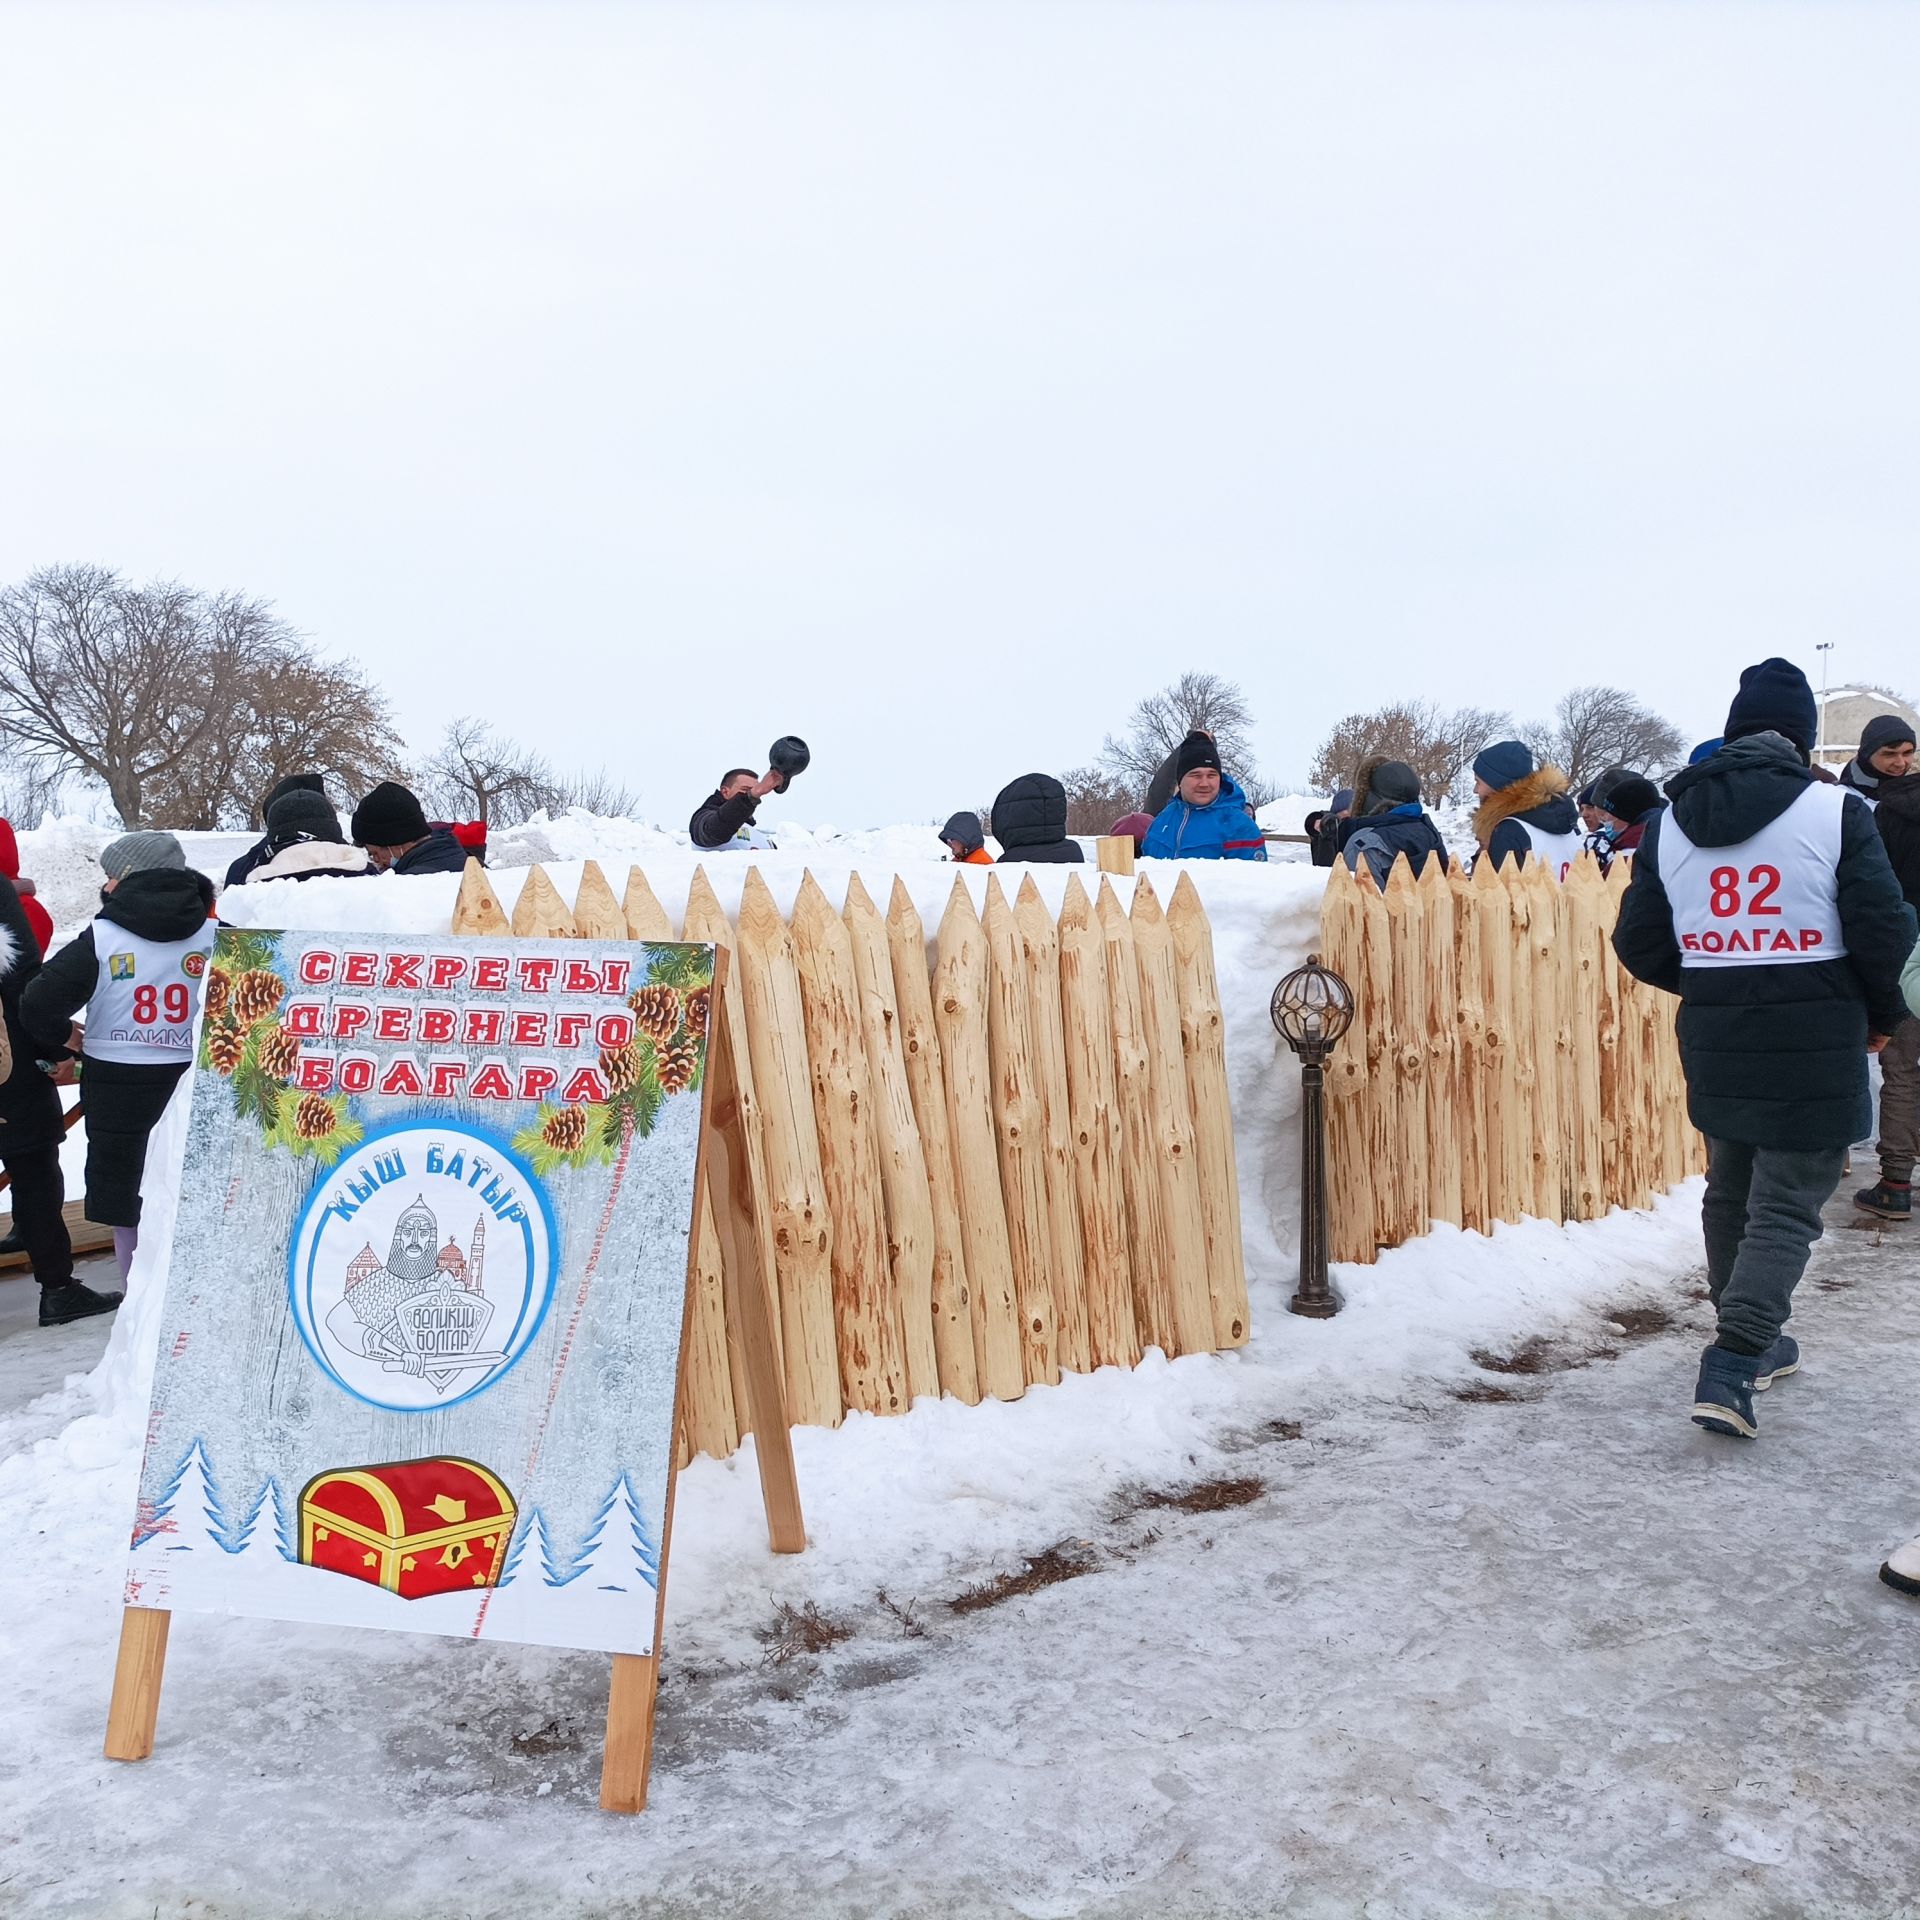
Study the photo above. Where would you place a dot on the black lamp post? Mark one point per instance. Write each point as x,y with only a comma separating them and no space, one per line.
1312,1008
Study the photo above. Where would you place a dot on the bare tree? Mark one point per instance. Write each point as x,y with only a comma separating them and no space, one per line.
1095,800
1594,728
600,793
1437,743
1204,701
479,774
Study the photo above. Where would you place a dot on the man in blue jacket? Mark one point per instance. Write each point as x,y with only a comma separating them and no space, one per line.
1207,818
1763,899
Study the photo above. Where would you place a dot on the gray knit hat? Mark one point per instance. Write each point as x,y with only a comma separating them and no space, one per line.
140,852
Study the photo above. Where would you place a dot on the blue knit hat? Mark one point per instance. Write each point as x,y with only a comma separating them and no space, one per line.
1774,698
1501,764
1705,750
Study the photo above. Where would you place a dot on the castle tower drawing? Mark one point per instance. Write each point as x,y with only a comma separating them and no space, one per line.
477,1253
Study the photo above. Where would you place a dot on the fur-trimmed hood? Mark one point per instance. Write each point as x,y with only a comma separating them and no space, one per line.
1540,800
9,950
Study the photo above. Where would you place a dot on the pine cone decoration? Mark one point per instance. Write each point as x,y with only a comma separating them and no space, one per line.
566,1131
219,992
657,1009
257,993
699,1007
314,1118
620,1068
278,1053
676,1065
225,1044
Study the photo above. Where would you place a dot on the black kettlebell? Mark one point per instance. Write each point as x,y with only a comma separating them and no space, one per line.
788,757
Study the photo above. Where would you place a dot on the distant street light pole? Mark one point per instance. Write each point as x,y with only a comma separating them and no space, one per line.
1823,648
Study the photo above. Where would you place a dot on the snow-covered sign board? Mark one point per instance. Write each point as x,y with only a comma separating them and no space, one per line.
422,1331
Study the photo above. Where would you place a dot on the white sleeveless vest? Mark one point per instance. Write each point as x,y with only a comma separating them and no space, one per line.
144,1002
1558,851
1771,901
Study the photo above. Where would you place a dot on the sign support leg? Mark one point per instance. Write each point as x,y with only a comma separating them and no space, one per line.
629,1750
136,1683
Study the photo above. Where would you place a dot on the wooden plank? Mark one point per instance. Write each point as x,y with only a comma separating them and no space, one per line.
1152,1264
1611,989
137,1677
866,1309
477,909
1204,1043
726,1163
1552,1047
1350,1224
645,917
1525,1121
1441,1020
1374,988
1178,1156
540,913
796,1203
897,1142
627,1757
960,1018
596,913
86,1236
1067,1261
1087,1036
1509,1159
1018,1132
710,1425
1470,1091
954,1345
1114,853
1409,1160
1584,960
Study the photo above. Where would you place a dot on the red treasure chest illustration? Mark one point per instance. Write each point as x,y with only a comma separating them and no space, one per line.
414,1527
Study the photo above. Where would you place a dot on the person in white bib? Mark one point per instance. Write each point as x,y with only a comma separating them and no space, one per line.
135,976
1525,811
1763,899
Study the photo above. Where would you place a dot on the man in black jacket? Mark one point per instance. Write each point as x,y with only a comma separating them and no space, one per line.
1388,820
725,817
1763,898
392,825
1030,822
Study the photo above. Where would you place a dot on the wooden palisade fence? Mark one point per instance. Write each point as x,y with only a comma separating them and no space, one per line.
1501,1063
979,1165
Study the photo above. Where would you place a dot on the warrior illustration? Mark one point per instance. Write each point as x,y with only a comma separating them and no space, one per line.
373,1295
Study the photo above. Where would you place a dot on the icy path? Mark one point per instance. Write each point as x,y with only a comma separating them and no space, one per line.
1554,1655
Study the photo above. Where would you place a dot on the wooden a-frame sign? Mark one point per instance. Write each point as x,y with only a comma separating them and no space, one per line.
721,1173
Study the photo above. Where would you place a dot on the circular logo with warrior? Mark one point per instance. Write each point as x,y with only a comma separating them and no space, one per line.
422,1266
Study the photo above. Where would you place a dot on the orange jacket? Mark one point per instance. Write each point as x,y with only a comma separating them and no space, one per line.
979,857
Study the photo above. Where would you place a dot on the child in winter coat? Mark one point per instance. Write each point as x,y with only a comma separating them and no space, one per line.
1207,818
31,1132
966,840
136,973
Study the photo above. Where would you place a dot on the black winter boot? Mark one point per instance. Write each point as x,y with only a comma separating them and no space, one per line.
1887,1199
58,1305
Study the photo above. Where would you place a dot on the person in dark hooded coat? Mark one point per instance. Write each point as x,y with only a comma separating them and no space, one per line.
304,833
1322,828
1525,810
262,849
966,840
1388,820
1764,900
1030,822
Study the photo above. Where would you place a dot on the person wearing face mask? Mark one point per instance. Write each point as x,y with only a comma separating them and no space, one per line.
1208,817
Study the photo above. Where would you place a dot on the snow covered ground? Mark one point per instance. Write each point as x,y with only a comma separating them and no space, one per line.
1558,1653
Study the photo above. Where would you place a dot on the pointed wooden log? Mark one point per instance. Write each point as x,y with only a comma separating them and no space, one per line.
1374,990
644,916
1612,991
596,913
1583,958
710,1424
902,1154
1178,1156
1350,1224
866,1309
540,913
1524,1038
1441,990
1152,1265
1509,1159
795,1190
1409,1047
477,908
1018,1131
1550,1040
951,1304
706,920
1204,1042
1470,1070
1087,1035
1040,961
960,1018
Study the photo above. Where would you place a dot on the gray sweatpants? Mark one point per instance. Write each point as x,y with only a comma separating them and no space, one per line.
1900,1102
1761,1218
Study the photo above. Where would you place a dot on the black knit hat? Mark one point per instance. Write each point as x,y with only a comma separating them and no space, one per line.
302,815
1196,750
293,783
1629,798
1883,730
1394,780
1774,698
389,817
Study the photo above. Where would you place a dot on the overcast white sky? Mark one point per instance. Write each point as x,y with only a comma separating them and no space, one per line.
933,381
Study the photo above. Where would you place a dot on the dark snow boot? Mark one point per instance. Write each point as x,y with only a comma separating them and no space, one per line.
1902,1569
1723,1398
58,1305
1889,1200
1779,1360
